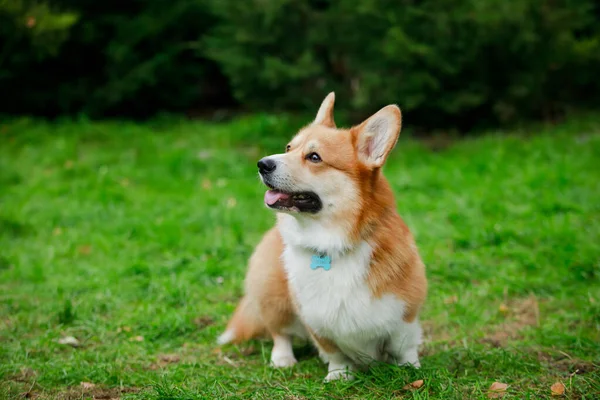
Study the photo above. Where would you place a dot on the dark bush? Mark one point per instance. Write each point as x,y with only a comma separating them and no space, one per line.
445,62
121,58
30,34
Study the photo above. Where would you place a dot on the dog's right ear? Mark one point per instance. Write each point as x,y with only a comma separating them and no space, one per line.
325,113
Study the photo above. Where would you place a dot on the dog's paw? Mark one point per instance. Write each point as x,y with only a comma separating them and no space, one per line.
282,360
339,374
414,364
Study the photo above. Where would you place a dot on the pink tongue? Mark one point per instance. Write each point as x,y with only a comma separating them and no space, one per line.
271,196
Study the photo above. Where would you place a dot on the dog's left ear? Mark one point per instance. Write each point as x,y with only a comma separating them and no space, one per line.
325,113
377,136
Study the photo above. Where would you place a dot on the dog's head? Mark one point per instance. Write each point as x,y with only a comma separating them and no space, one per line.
327,171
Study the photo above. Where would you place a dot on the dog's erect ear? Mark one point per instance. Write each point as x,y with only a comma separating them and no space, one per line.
325,113
378,135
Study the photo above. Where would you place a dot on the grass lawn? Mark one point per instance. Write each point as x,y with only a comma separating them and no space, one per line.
133,240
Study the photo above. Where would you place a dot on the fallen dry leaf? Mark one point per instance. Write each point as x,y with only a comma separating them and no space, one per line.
137,339
414,385
169,358
558,389
30,22
84,250
203,321
451,300
503,309
87,385
165,359
497,390
69,341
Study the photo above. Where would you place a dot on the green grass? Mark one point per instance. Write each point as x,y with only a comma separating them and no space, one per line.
116,232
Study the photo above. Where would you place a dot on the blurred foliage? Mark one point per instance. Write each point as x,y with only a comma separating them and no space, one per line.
120,58
446,62
33,25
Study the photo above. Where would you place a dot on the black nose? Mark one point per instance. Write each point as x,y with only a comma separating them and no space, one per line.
266,165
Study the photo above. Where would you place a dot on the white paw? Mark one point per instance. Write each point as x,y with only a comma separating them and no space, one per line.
411,358
338,374
415,364
283,360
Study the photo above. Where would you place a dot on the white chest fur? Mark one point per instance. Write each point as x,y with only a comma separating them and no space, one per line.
338,303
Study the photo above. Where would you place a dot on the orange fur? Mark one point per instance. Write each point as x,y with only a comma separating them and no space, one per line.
266,306
396,266
245,322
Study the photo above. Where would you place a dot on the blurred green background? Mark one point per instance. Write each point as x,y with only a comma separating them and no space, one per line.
460,64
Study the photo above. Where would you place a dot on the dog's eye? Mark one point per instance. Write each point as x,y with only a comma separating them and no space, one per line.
287,148
314,157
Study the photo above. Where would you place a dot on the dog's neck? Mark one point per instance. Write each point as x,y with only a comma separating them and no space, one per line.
330,237
319,236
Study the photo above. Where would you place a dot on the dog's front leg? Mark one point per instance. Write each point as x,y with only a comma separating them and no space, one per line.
404,344
340,366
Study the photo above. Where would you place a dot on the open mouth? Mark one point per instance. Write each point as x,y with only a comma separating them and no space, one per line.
299,202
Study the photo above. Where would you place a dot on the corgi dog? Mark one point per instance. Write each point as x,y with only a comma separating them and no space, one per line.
340,267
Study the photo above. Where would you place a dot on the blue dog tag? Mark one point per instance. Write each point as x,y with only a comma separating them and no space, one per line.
320,261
